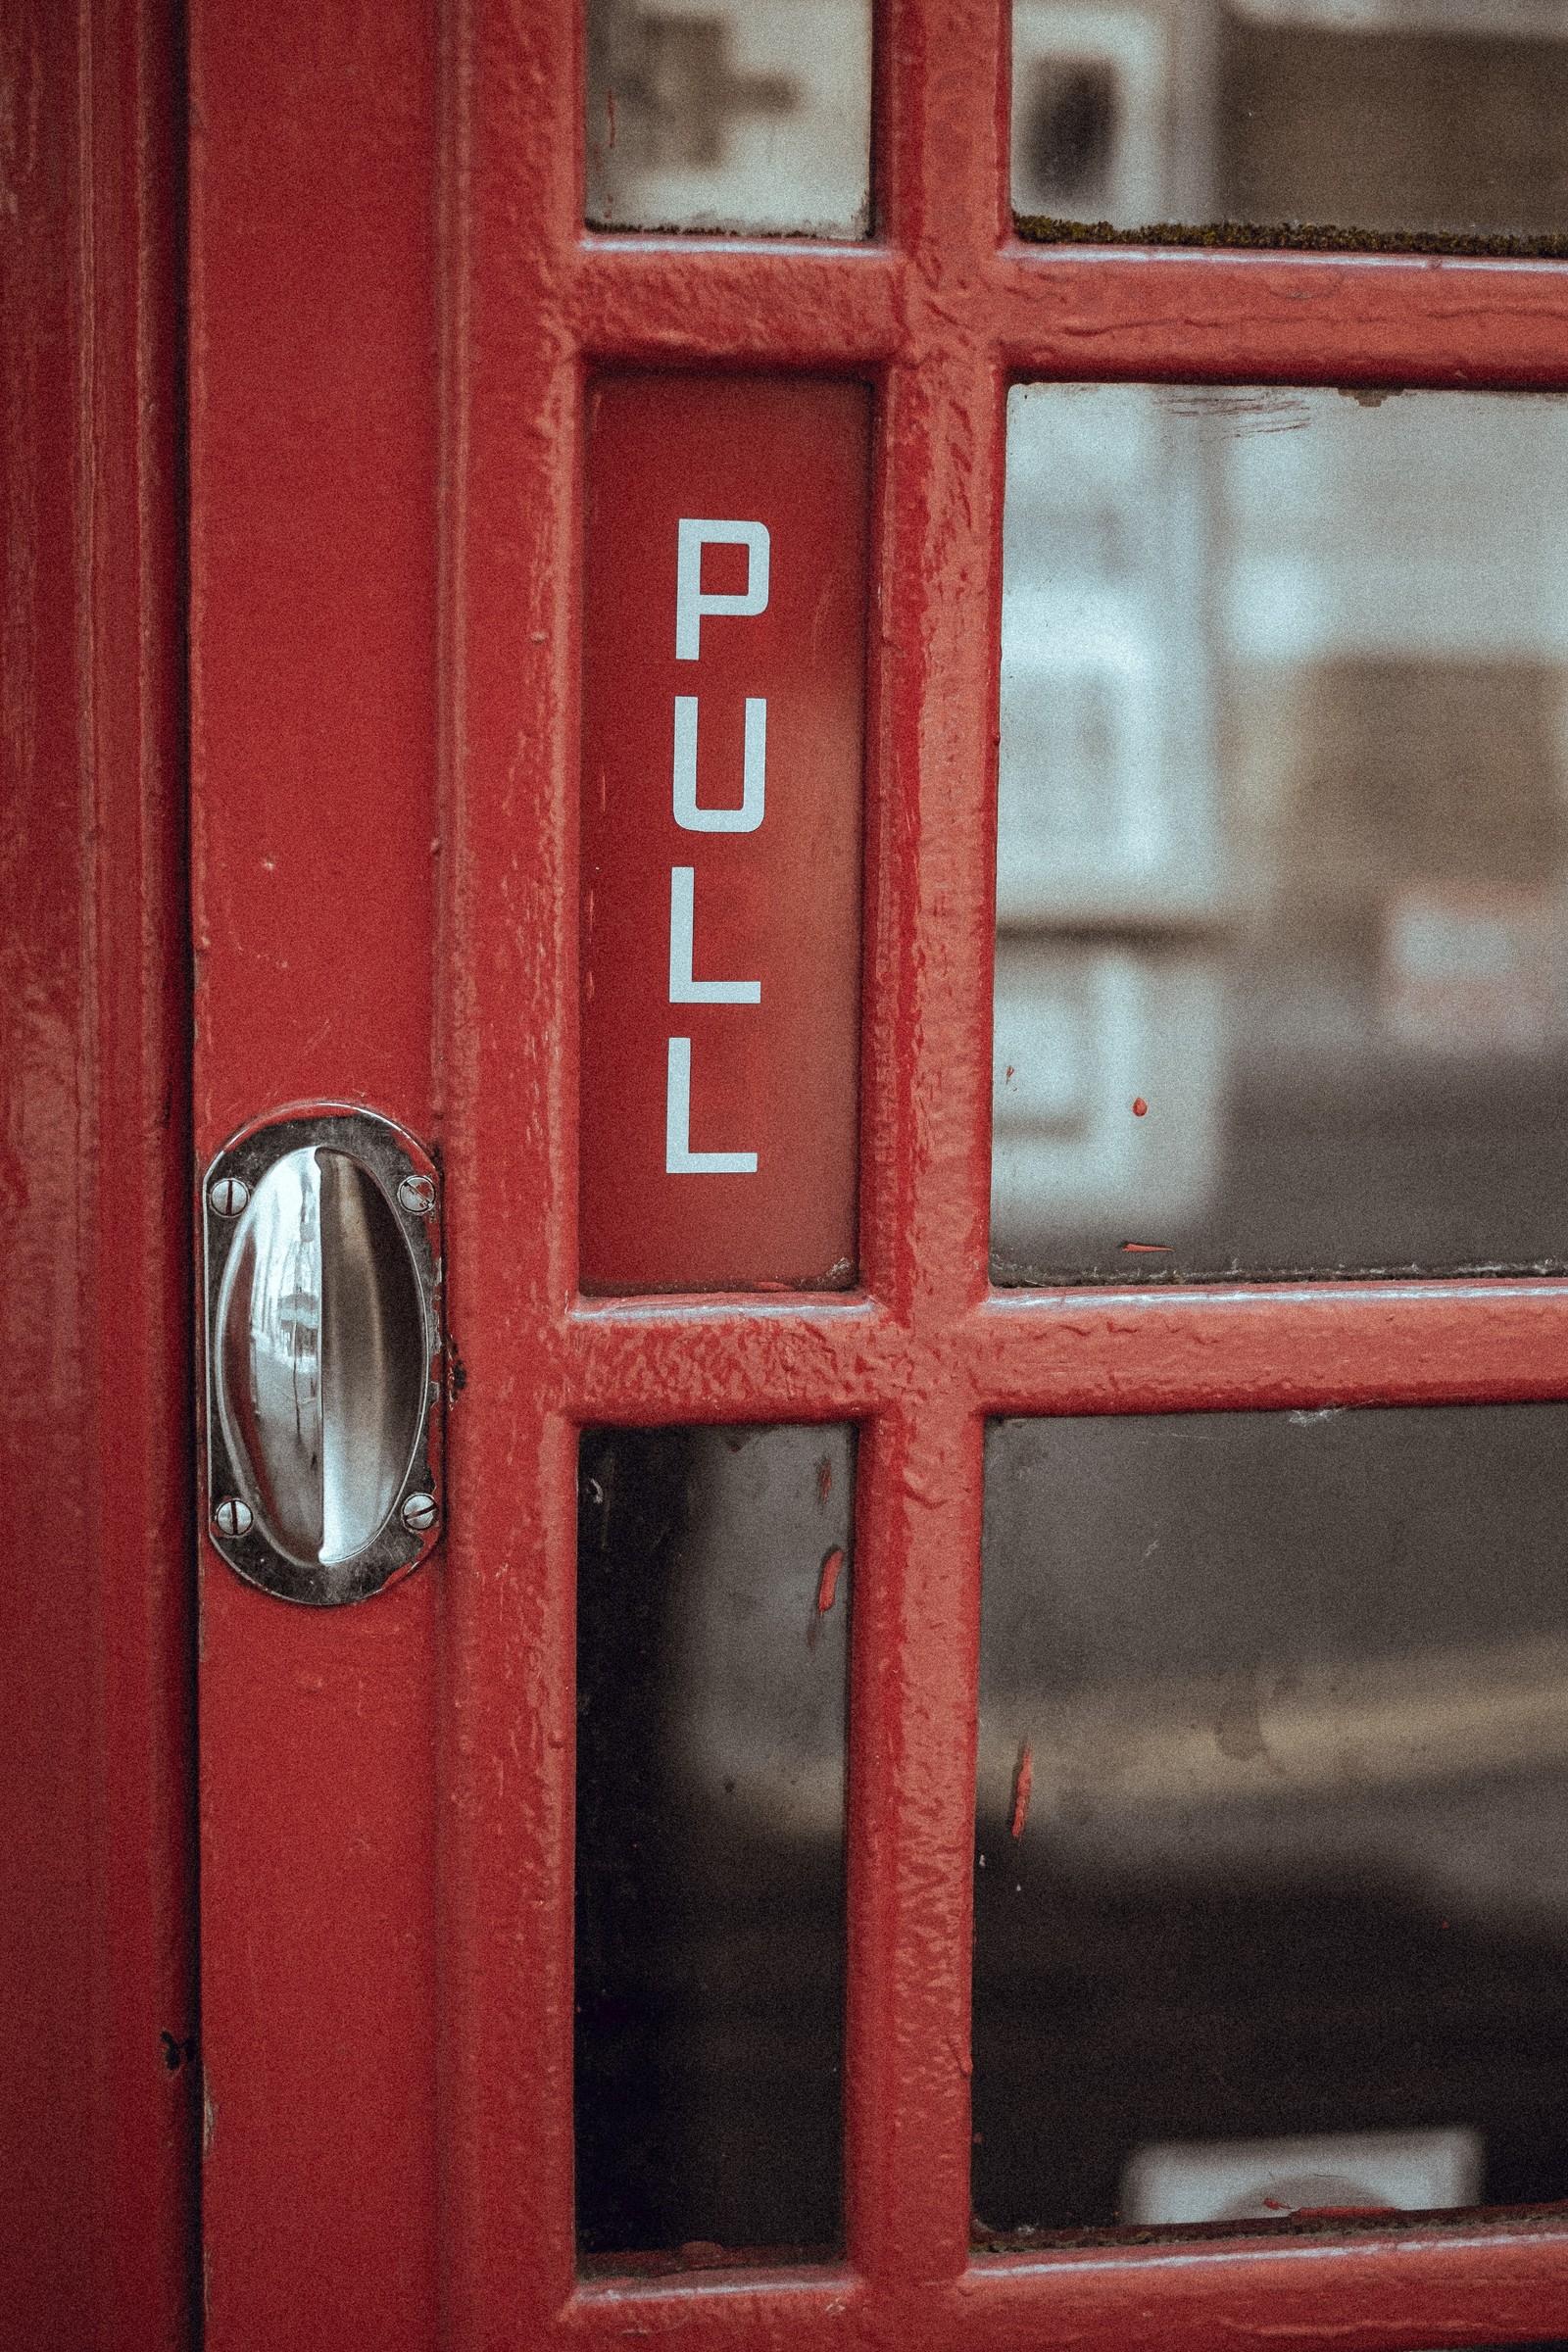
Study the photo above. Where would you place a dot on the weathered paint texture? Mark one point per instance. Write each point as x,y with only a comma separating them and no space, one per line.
395,311
98,2092
314,853
937,313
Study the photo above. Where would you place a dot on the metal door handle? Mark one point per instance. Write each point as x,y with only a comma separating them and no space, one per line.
323,1353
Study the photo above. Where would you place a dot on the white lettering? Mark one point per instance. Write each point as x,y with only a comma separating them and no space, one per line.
679,1158
683,989
754,772
690,602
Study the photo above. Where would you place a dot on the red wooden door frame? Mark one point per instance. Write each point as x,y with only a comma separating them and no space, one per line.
100,2105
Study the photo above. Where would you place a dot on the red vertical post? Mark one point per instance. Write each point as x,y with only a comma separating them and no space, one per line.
511,648
928,1150
97,1948
314,841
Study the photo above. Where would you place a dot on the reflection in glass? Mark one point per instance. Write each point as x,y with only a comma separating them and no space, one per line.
322,1356
739,115
1271,1882
1281,977
712,1605
1435,116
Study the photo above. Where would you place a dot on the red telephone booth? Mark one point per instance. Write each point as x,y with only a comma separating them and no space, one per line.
447,552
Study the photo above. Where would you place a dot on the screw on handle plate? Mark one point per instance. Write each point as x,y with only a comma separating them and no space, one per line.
417,1193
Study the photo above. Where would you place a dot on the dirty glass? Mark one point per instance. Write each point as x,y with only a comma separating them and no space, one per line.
1282,864
737,115
1272,1886
712,1604
1438,119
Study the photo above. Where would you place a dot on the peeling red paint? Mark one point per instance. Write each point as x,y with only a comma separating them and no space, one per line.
1022,1789
826,1588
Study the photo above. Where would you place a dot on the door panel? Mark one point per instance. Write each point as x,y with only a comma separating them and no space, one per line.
388,653
312,843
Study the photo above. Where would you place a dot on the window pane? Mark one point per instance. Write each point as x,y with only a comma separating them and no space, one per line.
712,1601
1442,117
1271,1885
730,114
1282,982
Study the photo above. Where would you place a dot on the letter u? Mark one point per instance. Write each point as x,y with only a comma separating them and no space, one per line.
754,775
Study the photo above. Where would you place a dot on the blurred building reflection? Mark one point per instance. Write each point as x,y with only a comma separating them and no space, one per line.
1280,833
1272,1762
752,116
1426,116
1281,789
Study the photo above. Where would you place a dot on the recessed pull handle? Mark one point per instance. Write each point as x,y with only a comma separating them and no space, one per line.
323,1354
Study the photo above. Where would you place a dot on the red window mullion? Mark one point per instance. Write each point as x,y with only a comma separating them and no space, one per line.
914,1679
925,1172
681,1362
1081,312
661,302
1387,2292
1360,1343
1238,316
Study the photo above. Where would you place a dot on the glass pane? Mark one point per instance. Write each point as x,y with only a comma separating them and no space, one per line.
1282,980
738,115
712,1602
1441,118
1271,1887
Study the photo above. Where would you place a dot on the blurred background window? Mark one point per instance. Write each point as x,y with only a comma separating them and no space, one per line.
1426,116
737,115
1282,982
1271,1885
713,1581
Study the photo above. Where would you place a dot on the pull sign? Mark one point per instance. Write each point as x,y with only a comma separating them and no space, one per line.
724,747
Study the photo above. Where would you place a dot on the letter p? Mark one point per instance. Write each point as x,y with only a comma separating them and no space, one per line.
690,602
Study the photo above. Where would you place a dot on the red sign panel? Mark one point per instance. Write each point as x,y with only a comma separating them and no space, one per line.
723,732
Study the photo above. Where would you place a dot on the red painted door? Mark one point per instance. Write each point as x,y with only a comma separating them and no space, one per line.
457,497
316,861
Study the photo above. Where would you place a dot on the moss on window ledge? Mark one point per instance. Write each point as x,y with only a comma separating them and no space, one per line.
1301,236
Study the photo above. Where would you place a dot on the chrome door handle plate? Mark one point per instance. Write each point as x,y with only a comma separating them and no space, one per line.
321,1227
